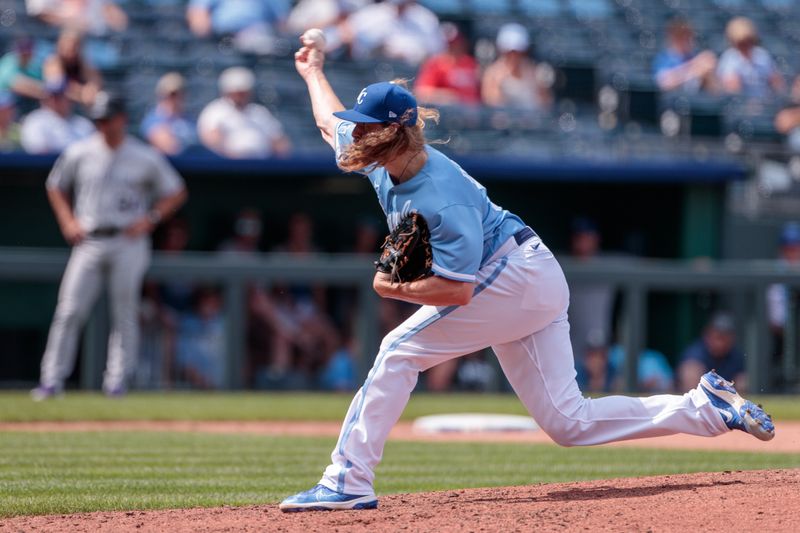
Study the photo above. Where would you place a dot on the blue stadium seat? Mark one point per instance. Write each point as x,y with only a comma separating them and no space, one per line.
501,7
779,6
591,9
444,7
540,8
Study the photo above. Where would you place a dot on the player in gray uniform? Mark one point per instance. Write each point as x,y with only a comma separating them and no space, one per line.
108,192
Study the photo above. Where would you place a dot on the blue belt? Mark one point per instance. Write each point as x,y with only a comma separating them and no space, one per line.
523,235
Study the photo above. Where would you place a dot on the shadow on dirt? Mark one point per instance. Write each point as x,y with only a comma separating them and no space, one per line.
606,493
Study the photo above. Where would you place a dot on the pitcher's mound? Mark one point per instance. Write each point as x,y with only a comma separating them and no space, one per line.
765,500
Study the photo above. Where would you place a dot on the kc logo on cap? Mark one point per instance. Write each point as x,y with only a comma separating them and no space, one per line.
382,102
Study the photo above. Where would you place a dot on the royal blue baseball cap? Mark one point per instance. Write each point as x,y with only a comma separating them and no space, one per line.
382,102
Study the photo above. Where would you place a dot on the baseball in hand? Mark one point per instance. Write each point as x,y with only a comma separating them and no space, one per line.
314,38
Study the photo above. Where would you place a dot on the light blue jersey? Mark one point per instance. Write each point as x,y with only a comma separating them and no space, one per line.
466,227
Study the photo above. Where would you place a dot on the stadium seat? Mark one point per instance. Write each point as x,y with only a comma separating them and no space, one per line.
591,9
480,7
444,7
540,8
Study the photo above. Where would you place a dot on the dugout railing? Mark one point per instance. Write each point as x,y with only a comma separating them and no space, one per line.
635,279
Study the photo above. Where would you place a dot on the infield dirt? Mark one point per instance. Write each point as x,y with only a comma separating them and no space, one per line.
766,500
763,501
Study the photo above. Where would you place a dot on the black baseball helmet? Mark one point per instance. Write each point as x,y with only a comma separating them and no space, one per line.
107,105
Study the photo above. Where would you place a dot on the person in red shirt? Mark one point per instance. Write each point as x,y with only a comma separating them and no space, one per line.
451,77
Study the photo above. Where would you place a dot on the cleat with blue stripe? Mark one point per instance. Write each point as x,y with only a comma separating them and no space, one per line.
737,412
321,498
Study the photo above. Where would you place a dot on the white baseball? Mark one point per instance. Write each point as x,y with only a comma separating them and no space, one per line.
314,38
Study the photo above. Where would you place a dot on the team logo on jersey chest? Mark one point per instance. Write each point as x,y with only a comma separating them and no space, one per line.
393,218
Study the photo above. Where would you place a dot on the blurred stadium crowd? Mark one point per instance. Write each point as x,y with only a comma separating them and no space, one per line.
595,79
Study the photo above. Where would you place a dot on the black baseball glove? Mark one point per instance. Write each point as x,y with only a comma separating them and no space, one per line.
407,254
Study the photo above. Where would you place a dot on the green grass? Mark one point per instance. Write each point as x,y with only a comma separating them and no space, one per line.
44,473
17,406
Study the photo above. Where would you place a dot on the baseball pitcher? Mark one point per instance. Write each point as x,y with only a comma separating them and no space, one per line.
493,283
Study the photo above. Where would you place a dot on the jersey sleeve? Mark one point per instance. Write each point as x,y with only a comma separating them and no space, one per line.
210,118
273,129
693,353
429,75
32,138
342,139
166,179
457,242
62,176
727,65
149,123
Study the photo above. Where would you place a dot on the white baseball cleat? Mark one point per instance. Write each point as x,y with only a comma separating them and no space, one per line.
737,412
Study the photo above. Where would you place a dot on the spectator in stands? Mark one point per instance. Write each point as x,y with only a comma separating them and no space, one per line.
339,372
476,374
594,369
715,349
9,127
321,13
234,127
514,80
591,303
21,71
92,17
68,65
787,121
162,305
306,305
781,297
166,126
394,29
602,369
200,352
96,19
54,126
451,77
271,338
251,24
680,66
745,68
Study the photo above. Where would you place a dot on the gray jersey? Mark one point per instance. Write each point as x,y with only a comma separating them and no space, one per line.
112,188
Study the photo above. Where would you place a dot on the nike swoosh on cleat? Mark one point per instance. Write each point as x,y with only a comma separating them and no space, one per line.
726,415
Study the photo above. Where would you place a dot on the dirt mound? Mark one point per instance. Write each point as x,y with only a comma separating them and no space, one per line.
765,500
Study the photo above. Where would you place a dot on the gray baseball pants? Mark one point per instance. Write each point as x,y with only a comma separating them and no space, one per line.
122,262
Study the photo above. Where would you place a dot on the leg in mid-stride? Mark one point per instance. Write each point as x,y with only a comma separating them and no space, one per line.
539,367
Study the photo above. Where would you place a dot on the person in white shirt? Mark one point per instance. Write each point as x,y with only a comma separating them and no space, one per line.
514,79
94,17
53,127
745,68
394,29
234,127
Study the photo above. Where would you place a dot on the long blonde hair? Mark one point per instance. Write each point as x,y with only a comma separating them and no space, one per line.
377,148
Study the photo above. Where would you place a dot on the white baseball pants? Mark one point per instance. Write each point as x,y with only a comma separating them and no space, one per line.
122,262
519,308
